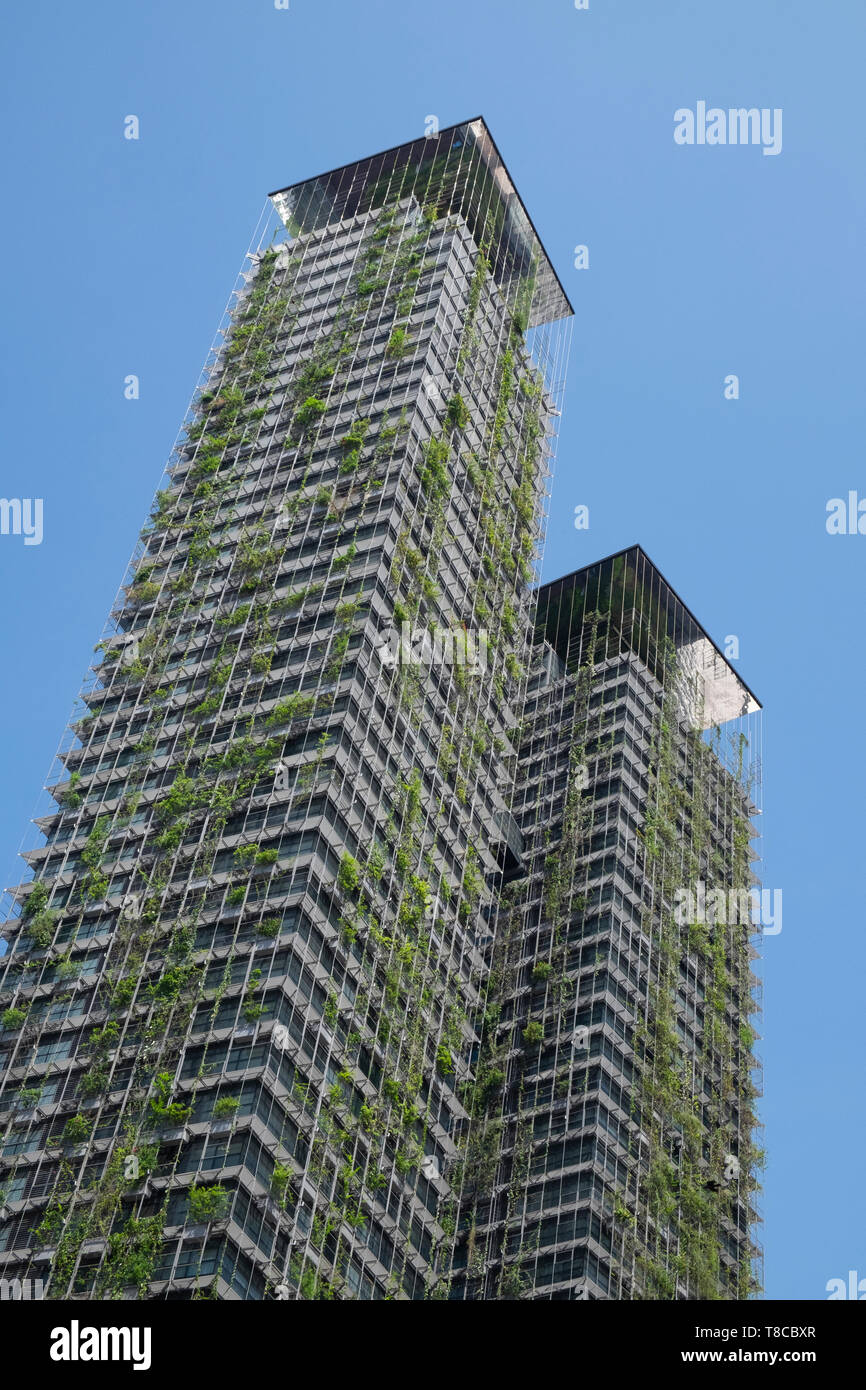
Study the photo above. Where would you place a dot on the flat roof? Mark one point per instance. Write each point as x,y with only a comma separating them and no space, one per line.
341,190
722,681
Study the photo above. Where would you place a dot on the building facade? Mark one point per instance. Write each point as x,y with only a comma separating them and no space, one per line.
265,1026
613,1151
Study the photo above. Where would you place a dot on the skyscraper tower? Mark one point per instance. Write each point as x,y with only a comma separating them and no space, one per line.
389,931
612,1154
241,1000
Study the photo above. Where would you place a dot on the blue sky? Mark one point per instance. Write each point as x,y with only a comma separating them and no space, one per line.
705,261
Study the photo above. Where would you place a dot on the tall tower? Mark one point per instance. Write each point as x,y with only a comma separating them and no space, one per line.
241,998
613,1151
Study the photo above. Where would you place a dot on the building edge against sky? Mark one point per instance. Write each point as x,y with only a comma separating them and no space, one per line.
250,1031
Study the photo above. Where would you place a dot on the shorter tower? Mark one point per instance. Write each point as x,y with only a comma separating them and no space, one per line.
612,1152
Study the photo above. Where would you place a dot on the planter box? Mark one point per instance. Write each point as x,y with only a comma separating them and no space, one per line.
96,1246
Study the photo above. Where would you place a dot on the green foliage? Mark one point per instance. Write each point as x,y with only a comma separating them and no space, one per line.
269,927
225,1106
36,901
458,412
309,412
252,1008
41,928
132,1253
352,443
68,795
77,1129
28,1096
435,478
340,561
295,707
444,1060
95,884
207,1203
337,653
95,1081
349,873
13,1018
398,343
163,1110
104,1038
533,1032
280,1179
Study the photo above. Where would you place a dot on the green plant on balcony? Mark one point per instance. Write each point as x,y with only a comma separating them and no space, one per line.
340,561
94,1082
398,344
336,655
434,474
36,901
225,1107
41,928
458,412
311,410
68,794
207,1203
65,968
280,1179
349,873
533,1032
163,1110
13,1018
252,1009
77,1129
296,706
124,992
